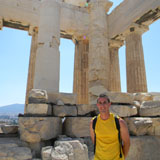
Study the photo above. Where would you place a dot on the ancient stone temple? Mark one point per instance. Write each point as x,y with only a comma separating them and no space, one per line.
55,126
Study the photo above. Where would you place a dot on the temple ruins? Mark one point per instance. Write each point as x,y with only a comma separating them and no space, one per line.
51,119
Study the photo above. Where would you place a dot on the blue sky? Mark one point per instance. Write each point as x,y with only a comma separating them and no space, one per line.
14,60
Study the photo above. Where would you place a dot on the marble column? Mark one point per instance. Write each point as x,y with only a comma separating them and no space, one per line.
115,82
47,65
80,86
99,64
33,31
135,66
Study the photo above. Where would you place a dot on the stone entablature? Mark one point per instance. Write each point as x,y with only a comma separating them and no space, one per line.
26,13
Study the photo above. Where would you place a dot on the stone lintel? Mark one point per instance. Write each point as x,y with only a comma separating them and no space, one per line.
103,3
115,43
136,28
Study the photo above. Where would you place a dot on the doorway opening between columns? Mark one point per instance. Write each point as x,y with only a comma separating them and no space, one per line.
14,56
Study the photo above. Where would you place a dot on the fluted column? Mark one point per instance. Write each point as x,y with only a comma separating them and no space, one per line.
115,82
99,64
136,74
33,31
47,64
80,86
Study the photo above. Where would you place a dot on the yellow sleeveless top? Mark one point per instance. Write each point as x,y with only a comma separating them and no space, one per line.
107,143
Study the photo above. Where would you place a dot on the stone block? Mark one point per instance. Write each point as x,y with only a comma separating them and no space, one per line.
144,148
39,109
77,150
65,98
150,108
119,97
62,111
65,150
137,104
46,153
143,126
60,103
156,126
77,126
9,129
96,90
84,109
37,96
116,97
140,126
142,97
123,110
36,129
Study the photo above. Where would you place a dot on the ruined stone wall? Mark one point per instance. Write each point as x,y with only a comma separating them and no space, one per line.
47,117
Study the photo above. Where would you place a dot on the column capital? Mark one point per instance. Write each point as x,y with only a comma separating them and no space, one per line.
136,28
32,30
1,24
106,4
115,43
80,38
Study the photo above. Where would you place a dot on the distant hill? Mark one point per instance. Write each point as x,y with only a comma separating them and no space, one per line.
12,109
